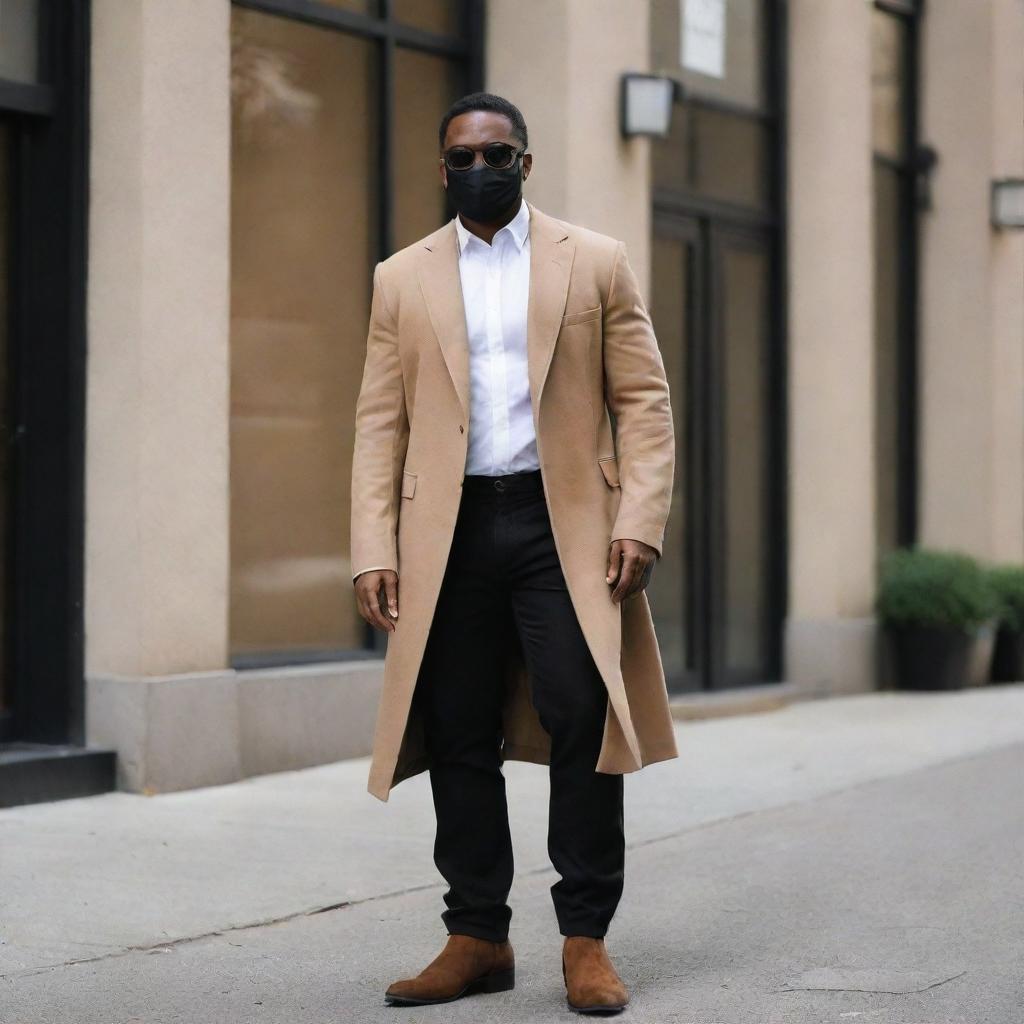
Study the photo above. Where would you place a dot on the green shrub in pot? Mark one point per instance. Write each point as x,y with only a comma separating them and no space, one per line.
1008,658
934,605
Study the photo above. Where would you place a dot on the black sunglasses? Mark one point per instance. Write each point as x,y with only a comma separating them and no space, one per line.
498,155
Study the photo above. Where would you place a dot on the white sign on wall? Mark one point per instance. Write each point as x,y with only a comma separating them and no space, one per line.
702,36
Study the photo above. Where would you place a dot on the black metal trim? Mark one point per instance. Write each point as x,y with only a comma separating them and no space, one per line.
909,8
688,204
777,71
23,98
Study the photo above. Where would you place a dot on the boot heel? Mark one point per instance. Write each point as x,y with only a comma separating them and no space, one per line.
497,981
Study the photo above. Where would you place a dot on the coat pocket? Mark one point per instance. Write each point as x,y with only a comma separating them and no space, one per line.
610,467
408,484
581,316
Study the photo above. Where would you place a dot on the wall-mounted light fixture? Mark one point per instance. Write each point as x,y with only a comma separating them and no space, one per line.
1008,203
645,105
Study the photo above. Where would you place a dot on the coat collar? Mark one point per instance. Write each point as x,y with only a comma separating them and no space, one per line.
551,255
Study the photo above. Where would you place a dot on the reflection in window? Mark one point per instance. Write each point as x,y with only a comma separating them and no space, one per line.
888,40
425,87
307,186
303,242
717,154
440,16
743,52
19,40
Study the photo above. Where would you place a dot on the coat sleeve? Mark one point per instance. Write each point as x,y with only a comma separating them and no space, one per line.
381,441
637,393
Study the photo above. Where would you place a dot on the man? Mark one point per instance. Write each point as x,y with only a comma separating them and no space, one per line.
488,484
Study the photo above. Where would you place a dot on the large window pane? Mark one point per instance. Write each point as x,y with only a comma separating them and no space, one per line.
742,51
716,154
303,243
19,40
440,16
425,86
888,70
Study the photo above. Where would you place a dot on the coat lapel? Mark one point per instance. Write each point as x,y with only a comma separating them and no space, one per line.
551,256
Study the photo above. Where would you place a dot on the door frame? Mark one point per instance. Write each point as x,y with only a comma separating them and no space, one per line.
705,608
44,652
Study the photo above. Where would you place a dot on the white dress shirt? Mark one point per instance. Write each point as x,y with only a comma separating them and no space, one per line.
496,291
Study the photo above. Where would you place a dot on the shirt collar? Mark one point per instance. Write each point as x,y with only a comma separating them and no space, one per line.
518,227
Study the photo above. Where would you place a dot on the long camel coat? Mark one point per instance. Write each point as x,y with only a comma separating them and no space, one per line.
591,349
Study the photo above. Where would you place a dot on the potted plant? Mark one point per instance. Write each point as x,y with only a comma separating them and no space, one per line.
934,605
1008,657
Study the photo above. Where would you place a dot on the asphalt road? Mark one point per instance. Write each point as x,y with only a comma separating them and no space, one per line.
890,898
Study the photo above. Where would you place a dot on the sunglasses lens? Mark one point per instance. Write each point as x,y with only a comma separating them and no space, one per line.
499,155
460,159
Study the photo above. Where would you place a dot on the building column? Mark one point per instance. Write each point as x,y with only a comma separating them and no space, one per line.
560,63
157,498
830,634
972,302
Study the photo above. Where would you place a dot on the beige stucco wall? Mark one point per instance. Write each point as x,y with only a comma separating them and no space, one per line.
560,63
831,348
156,558
972,298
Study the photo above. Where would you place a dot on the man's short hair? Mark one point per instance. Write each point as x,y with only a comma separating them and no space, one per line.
486,101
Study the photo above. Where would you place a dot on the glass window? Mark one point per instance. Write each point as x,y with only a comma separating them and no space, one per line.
303,242
739,45
888,68
307,192
441,16
425,86
718,154
19,40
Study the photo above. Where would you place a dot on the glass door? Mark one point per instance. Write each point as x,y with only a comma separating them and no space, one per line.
712,593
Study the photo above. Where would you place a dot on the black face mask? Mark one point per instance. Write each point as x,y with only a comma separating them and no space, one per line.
483,193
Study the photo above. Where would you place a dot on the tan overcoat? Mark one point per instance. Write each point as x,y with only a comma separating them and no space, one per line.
590,349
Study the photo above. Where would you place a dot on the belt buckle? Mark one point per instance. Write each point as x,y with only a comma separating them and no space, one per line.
499,484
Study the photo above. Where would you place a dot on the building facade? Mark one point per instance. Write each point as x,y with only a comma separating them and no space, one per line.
193,195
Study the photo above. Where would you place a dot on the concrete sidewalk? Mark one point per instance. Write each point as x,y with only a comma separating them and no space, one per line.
841,857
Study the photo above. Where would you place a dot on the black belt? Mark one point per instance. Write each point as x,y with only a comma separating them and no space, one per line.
526,481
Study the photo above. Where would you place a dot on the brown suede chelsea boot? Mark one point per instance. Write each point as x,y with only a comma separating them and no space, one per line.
592,984
465,965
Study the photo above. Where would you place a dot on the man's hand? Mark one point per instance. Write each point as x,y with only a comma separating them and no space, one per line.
368,587
630,563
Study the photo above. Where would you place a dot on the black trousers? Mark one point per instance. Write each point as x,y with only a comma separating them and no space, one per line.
504,578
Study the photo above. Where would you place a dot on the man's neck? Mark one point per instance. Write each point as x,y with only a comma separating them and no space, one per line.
488,231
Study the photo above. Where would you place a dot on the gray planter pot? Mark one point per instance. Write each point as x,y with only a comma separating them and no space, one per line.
938,658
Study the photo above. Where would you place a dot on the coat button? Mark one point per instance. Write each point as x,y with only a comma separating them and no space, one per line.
461,429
